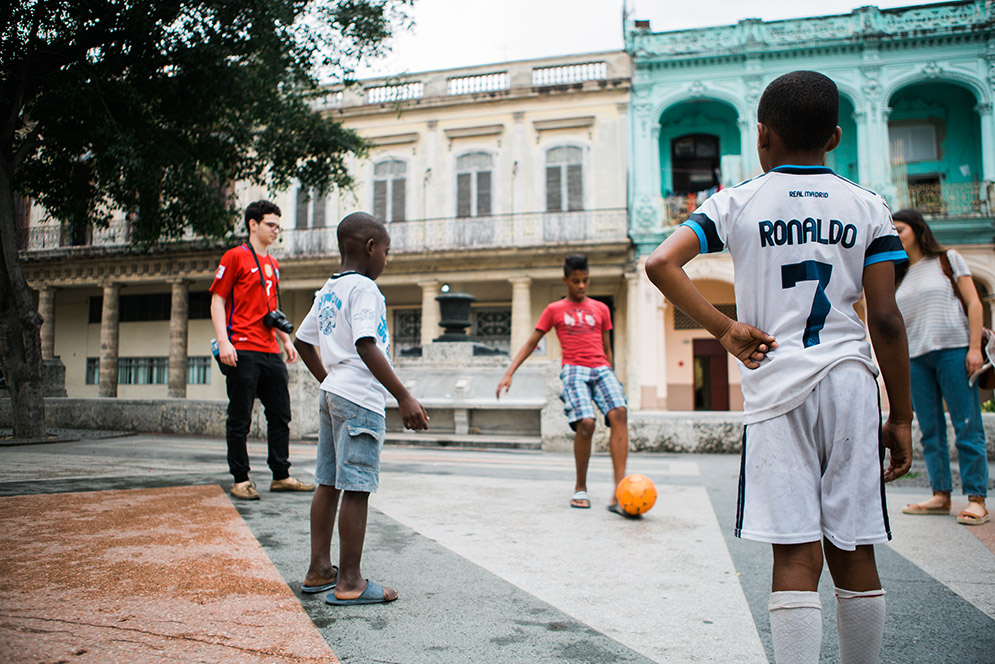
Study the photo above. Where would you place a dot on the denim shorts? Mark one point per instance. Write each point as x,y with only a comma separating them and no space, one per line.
350,439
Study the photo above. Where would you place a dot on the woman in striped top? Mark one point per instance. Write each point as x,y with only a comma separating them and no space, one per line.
943,323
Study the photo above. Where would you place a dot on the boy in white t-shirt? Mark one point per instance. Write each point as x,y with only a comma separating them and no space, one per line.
347,325
806,244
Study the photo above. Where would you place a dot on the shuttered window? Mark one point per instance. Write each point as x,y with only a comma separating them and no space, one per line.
310,209
389,190
564,179
473,185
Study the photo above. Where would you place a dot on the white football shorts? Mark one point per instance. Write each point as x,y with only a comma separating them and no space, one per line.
816,471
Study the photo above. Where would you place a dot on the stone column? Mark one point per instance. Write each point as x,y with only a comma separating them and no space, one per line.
46,307
178,317
109,340
987,119
632,344
430,315
521,312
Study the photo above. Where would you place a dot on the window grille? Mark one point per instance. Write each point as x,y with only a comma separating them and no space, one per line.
491,326
684,322
199,370
407,329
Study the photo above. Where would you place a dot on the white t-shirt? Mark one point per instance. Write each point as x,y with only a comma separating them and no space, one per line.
800,237
934,317
349,307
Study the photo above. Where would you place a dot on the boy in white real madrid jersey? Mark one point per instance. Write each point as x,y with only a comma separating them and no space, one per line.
345,344
805,244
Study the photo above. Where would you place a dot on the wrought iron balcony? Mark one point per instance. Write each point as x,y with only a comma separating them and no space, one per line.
492,232
959,199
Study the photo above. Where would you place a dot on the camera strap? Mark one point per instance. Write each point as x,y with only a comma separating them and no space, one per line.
262,281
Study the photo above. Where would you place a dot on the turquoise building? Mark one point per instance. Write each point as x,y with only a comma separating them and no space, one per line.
917,86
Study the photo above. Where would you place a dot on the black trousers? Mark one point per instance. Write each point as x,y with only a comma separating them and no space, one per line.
262,375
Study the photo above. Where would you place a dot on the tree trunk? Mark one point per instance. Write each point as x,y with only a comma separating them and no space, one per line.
20,326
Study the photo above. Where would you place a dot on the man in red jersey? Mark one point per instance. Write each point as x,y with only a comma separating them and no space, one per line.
582,326
245,297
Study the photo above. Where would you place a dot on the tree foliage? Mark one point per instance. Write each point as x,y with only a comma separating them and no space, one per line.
153,108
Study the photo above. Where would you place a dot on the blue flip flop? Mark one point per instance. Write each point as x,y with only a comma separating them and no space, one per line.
372,594
311,590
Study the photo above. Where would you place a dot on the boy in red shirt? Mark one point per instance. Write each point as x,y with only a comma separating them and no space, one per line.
582,326
244,293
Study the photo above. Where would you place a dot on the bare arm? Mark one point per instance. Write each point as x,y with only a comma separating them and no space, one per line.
968,291
412,413
312,360
665,268
527,348
226,352
887,331
606,342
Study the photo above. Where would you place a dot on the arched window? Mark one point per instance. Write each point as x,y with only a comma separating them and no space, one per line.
564,179
473,185
388,189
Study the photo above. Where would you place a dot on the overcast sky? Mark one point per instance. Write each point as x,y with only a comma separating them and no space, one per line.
459,33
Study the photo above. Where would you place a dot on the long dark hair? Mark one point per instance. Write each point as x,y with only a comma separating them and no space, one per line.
924,238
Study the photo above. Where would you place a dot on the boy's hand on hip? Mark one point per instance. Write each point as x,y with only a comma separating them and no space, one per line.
748,344
413,415
897,437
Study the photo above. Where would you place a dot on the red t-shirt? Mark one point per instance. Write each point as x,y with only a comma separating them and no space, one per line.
237,280
580,327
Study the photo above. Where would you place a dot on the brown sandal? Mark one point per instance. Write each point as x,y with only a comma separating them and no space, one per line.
972,519
920,508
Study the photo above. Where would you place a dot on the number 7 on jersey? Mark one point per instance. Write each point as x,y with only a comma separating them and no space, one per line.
795,273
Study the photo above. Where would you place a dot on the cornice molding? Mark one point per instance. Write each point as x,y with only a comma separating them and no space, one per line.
867,24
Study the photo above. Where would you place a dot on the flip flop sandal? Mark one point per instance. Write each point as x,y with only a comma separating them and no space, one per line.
322,587
373,593
581,500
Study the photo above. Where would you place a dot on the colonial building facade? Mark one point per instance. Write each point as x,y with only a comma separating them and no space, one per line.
917,86
486,178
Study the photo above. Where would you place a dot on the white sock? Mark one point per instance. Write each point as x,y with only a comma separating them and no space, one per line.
860,625
796,626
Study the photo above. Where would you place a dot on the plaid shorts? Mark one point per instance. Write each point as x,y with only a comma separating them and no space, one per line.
584,387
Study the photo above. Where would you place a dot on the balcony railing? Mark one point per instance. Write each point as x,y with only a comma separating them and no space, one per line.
493,232
958,199
52,235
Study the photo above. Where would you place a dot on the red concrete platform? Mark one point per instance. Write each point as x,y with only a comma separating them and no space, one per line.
150,575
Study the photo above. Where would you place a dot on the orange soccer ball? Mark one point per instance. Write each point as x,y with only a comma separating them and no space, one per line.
636,494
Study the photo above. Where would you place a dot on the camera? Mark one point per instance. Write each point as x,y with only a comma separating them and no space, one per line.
278,320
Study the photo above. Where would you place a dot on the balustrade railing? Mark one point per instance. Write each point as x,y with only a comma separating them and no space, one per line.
493,232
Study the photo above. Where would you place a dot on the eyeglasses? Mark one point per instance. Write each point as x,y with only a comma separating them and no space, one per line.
274,226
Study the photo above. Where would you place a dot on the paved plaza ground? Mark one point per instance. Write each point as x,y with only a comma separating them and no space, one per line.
128,549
